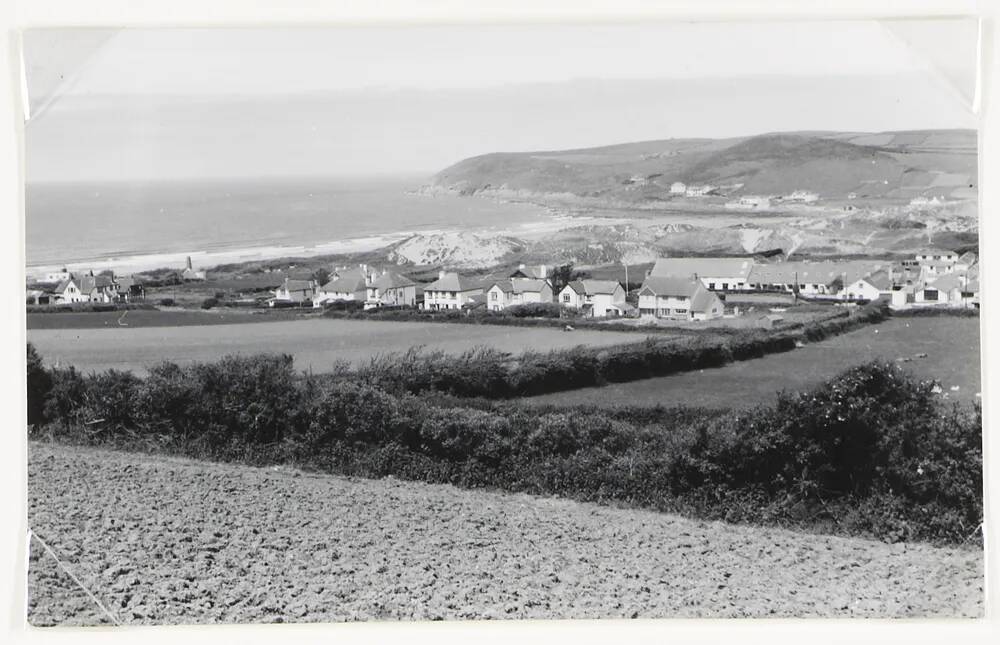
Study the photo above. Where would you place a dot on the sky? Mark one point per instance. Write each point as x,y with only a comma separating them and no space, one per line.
355,101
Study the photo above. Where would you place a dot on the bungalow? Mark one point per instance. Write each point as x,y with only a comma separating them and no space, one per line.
932,254
950,291
450,291
698,191
678,299
717,274
803,196
600,298
517,291
391,290
750,202
295,291
813,279
349,285
870,287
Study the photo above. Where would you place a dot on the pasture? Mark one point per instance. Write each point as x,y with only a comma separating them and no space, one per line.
316,344
951,345
159,318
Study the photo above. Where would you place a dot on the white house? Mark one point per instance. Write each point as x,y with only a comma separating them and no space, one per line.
85,288
600,298
717,274
951,290
349,285
935,254
517,291
296,291
803,196
870,287
68,292
391,290
698,191
58,276
750,202
678,188
814,279
450,291
678,299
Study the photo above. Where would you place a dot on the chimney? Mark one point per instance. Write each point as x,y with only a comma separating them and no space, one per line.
543,271
189,262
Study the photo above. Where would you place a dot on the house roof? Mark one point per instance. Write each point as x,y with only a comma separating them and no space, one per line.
392,280
701,298
814,272
934,250
454,282
348,282
532,272
593,287
937,263
948,282
520,285
687,267
879,279
298,285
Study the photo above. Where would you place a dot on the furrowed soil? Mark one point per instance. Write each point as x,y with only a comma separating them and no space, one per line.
166,540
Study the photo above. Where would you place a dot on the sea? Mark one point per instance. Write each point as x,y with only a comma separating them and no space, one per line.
135,226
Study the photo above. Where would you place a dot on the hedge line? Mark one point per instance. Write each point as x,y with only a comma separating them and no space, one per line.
485,372
871,452
88,307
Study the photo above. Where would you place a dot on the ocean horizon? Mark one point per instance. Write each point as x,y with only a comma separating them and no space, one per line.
144,225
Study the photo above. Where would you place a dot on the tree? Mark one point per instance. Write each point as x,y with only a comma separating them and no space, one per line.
561,276
39,384
321,276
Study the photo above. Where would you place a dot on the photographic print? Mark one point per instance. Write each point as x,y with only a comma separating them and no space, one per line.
468,322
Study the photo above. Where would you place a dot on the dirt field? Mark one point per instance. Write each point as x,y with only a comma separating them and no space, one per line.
951,345
316,344
161,540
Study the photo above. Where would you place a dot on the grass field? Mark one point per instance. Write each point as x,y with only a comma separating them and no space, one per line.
159,318
315,343
951,345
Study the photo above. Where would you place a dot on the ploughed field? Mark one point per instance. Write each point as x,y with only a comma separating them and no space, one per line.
951,345
165,540
315,344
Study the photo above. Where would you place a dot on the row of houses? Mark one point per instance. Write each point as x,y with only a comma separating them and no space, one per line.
66,287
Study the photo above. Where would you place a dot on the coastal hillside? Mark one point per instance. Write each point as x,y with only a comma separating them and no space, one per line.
833,165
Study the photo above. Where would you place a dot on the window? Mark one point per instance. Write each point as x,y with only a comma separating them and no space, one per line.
930,294
680,311
725,286
711,285
493,295
565,297
451,294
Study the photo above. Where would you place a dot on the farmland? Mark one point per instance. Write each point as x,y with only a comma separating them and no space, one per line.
951,346
315,344
195,542
158,318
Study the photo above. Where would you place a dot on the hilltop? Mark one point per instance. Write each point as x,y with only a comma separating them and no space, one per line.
872,166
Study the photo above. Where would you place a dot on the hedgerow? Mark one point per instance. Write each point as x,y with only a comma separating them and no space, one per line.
871,452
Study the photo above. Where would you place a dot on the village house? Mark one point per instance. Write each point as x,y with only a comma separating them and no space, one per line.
677,298
934,254
750,202
450,291
129,289
85,288
950,290
678,188
870,287
597,298
802,196
294,291
717,274
391,290
813,279
517,291
349,285
698,191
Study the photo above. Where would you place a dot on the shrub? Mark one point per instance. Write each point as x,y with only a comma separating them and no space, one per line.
166,302
39,386
208,303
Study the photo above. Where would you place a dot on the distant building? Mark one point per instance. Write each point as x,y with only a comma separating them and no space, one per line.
450,291
677,298
391,290
517,291
750,202
802,196
539,272
598,298
717,274
871,287
698,191
295,291
189,274
678,188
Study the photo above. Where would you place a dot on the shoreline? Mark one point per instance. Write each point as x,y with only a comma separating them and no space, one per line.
547,222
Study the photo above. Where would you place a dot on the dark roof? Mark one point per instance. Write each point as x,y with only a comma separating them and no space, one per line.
594,287
348,282
298,285
391,280
880,280
701,298
454,282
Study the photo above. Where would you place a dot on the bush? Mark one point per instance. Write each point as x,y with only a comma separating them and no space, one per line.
871,452
39,386
208,303
166,302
